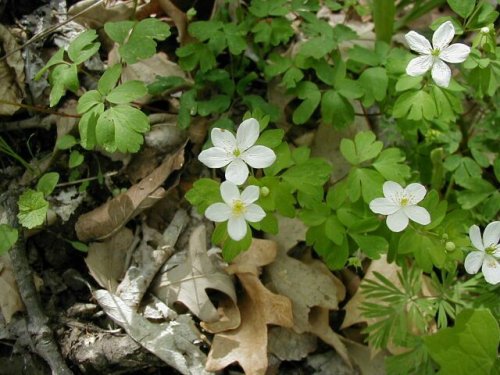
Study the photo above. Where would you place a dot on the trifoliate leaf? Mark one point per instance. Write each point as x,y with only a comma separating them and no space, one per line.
89,100
195,54
375,82
311,96
63,77
468,347
462,7
127,92
118,31
363,148
87,126
47,183
271,138
274,32
32,209
109,79
336,110
307,176
121,128
372,246
83,47
57,58
365,182
234,38
8,237
204,193
390,165
415,105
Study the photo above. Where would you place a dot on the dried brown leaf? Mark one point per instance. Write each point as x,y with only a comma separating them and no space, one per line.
107,260
188,283
288,345
11,73
10,300
108,218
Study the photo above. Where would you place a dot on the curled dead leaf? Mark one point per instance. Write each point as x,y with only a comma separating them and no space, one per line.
11,74
107,219
10,300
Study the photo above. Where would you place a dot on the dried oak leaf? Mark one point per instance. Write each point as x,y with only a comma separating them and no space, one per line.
247,344
107,260
313,291
11,74
10,300
188,283
107,219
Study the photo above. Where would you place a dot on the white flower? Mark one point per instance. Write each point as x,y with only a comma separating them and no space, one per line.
237,209
488,255
435,55
237,152
400,205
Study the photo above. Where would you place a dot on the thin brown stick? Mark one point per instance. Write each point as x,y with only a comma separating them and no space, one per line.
39,109
39,331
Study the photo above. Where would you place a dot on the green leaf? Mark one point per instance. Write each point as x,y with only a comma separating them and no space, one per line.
87,126
478,190
109,79
47,183
83,47
66,141
271,138
32,209
470,347
76,158
165,83
292,77
364,147
204,193
8,237
63,77
127,92
336,110
366,182
234,38
217,104
334,230
317,47
118,31
194,54
274,31
231,248
307,176
88,101
426,250
463,8
57,58
374,81
372,246
406,82
390,165
80,246
141,44
415,105
311,96
121,128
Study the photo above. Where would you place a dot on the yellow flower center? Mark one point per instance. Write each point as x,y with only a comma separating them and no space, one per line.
490,250
435,52
404,201
236,152
238,208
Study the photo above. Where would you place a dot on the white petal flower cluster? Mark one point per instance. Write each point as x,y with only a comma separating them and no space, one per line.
400,205
237,152
487,256
434,57
237,209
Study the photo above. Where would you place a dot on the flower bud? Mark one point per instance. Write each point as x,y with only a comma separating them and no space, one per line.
485,30
264,191
444,236
450,246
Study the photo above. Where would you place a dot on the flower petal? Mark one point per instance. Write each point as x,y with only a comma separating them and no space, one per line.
218,212
259,156
237,171
475,237
491,234
473,261
441,73
392,190
418,214
237,227
491,270
224,139
416,192
247,134
418,43
254,213
398,221
419,65
215,157
383,206
229,192
456,53
443,35
250,194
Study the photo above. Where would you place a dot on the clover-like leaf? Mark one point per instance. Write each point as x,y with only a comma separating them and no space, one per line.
127,92
32,208
83,47
8,237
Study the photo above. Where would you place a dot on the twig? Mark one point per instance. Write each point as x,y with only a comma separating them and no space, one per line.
40,333
39,109
137,279
76,182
